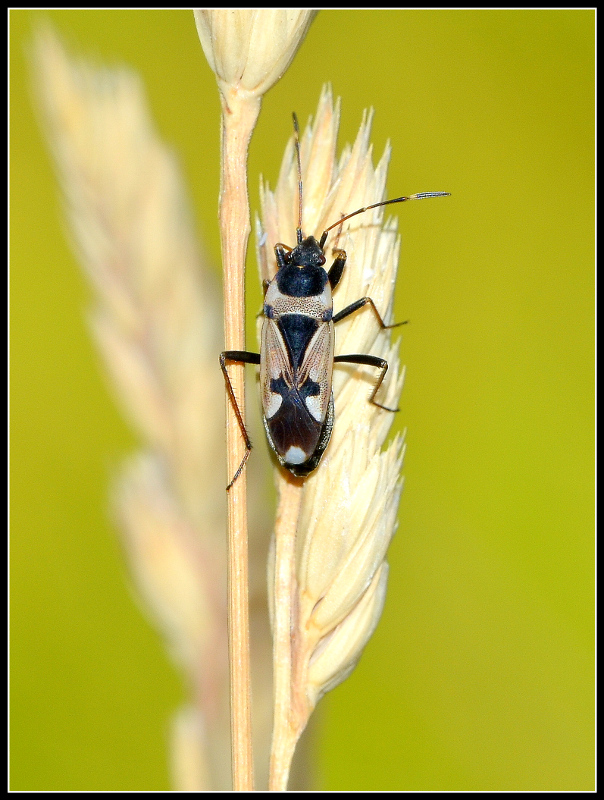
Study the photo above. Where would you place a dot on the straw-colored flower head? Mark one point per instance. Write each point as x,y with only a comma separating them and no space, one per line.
250,49
348,511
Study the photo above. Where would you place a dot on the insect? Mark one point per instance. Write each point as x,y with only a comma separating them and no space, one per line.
297,345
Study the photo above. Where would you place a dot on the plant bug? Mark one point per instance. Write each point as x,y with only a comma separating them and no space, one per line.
297,346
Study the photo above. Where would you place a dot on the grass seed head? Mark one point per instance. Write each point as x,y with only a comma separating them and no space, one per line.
348,511
250,49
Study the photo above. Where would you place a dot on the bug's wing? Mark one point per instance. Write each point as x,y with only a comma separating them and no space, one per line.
296,405
315,373
275,366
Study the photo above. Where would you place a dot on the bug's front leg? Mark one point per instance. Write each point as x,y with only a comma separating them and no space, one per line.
337,268
281,251
371,361
345,312
240,357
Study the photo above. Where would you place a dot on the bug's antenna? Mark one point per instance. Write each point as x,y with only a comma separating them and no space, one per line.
297,145
419,196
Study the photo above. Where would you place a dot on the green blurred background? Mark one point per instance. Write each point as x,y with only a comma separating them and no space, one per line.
480,675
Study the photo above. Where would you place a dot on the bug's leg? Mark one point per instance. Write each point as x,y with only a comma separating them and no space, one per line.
370,361
280,252
337,268
242,357
345,312
335,273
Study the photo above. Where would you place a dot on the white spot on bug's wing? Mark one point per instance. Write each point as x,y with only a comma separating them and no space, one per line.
263,239
295,455
273,404
316,406
275,370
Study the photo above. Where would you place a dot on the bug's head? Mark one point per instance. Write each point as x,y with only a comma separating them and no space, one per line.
307,253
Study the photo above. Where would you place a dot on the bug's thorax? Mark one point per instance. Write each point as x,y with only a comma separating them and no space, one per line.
299,293
301,285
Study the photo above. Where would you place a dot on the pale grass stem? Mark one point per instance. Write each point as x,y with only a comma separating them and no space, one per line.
239,115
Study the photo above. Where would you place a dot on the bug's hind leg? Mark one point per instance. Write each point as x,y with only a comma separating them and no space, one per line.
240,357
370,361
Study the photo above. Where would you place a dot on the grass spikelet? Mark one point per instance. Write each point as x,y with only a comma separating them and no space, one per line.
333,528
